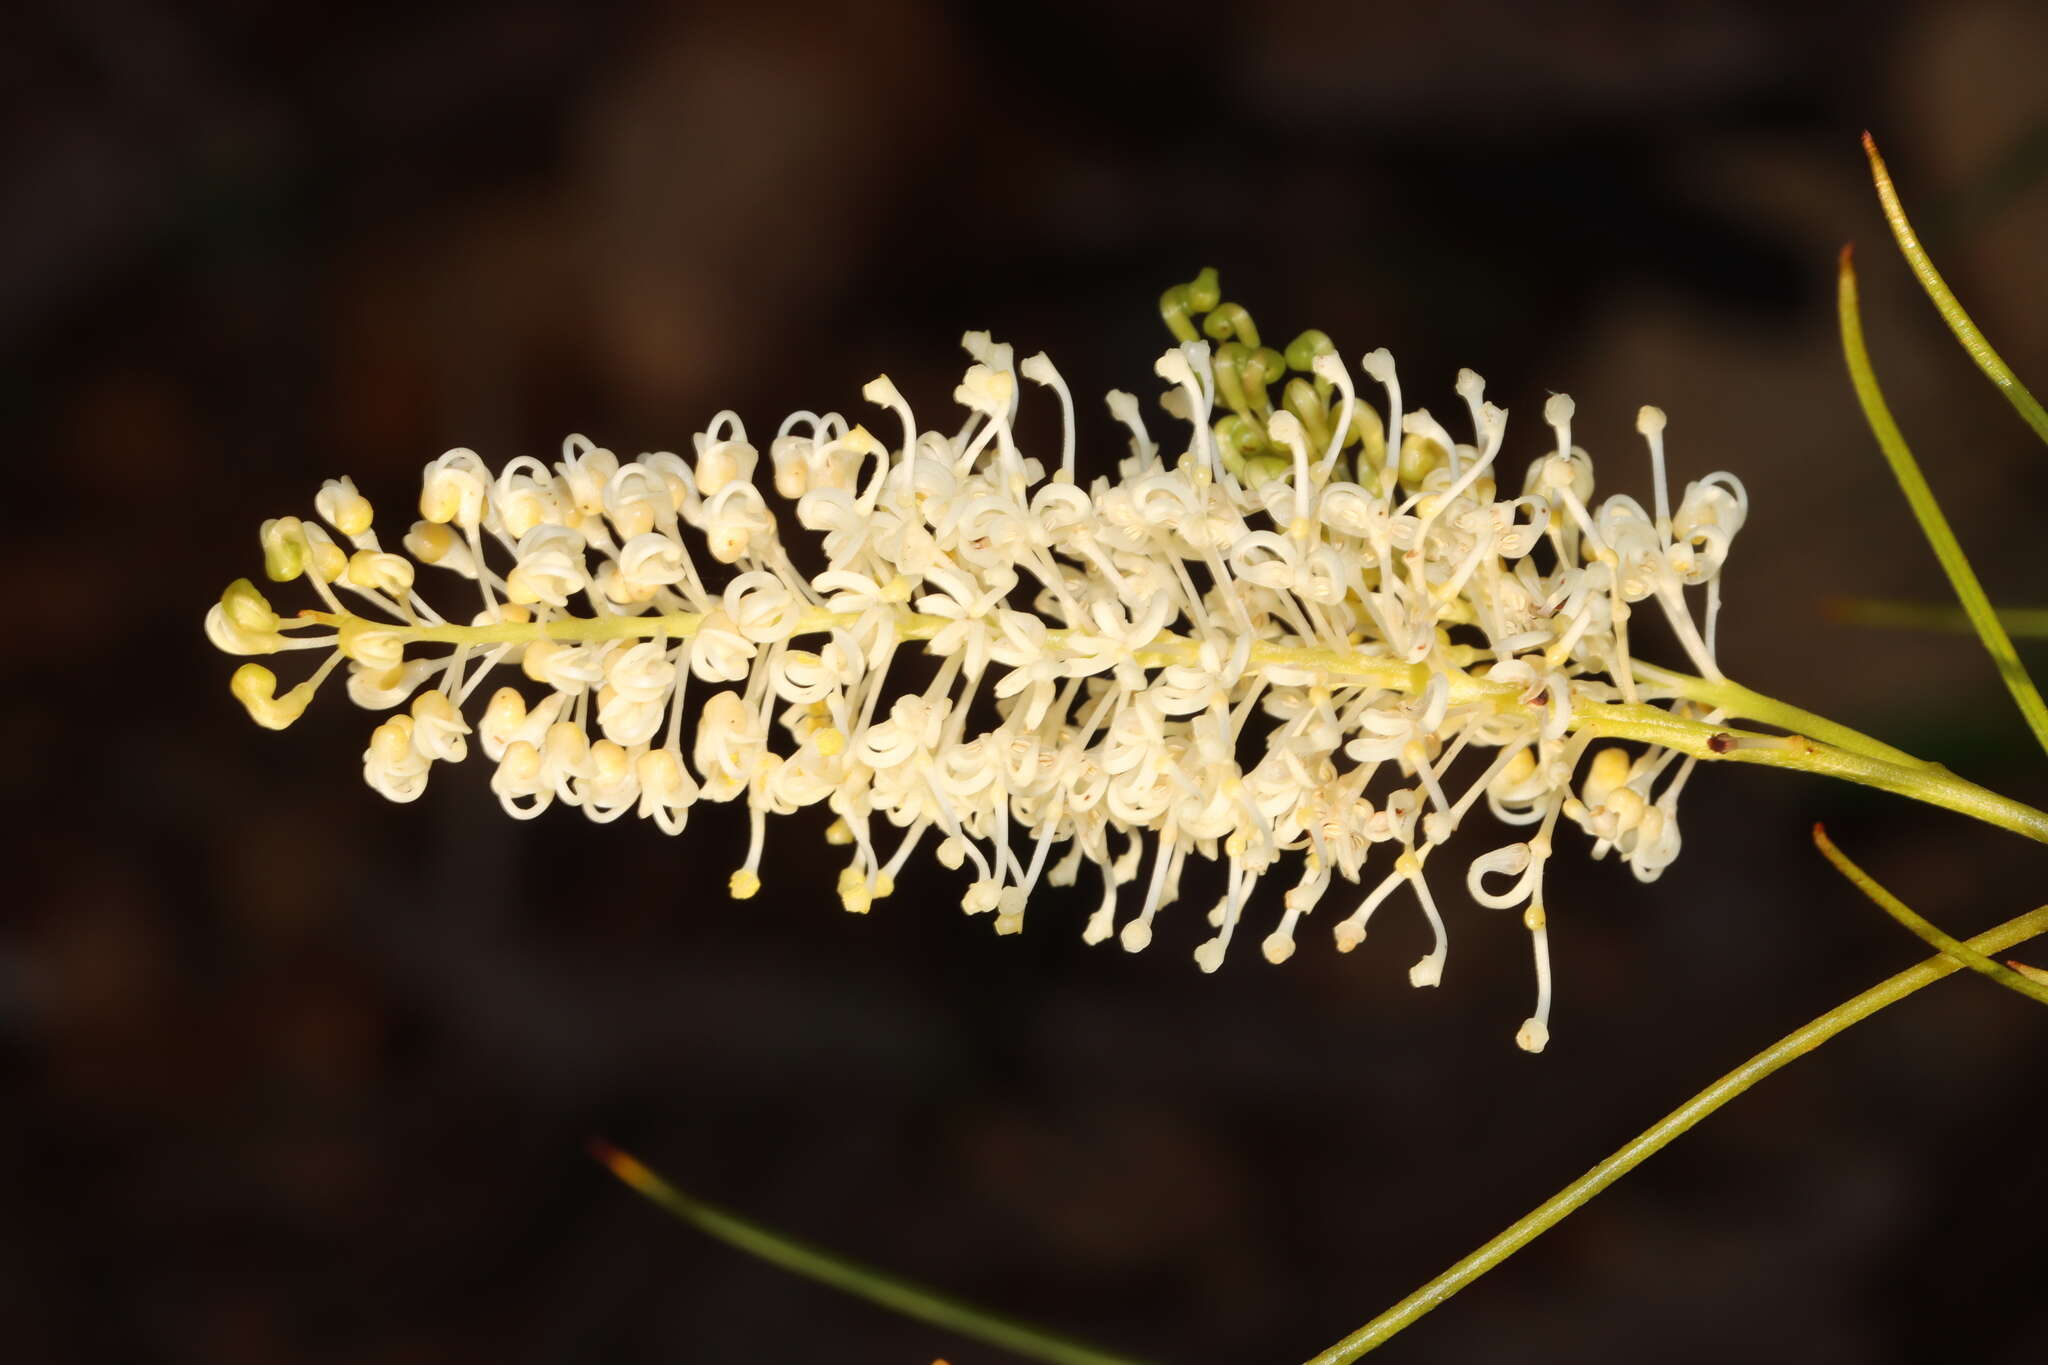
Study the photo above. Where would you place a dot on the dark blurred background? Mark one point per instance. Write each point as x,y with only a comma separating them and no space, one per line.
295,1075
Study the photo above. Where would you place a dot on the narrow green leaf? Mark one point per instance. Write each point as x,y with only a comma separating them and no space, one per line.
892,1292
1929,933
2022,623
1928,512
1659,1135
1945,302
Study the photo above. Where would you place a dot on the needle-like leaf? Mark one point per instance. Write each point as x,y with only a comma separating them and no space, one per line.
2022,623
1927,511
1945,302
1929,933
892,1292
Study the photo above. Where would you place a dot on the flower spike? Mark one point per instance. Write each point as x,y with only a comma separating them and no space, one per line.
1285,632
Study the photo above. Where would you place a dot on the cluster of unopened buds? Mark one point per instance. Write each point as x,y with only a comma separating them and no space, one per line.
1282,633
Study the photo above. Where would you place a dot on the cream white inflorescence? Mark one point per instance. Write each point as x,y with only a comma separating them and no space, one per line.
1282,640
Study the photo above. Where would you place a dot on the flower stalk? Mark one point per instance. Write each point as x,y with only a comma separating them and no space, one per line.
1815,745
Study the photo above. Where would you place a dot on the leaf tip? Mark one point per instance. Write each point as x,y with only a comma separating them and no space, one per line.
2034,974
625,1167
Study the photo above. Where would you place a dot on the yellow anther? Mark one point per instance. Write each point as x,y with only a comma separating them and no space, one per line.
609,762
392,741
431,543
440,500
370,643
1627,806
284,548
1608,771
535,661
377,571
726,543
1534,918
327,561
256,688
523,587
230,638
348,510
434,706
661,775
521,763
620,589
744,885
1420,457
566,745
507,709
247,608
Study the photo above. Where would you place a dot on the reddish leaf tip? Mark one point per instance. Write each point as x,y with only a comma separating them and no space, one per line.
622,1165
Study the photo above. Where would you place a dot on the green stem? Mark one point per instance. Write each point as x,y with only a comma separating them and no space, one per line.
1929,783
1547,1214
1732,697
1930,933
1818,745
892,1292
